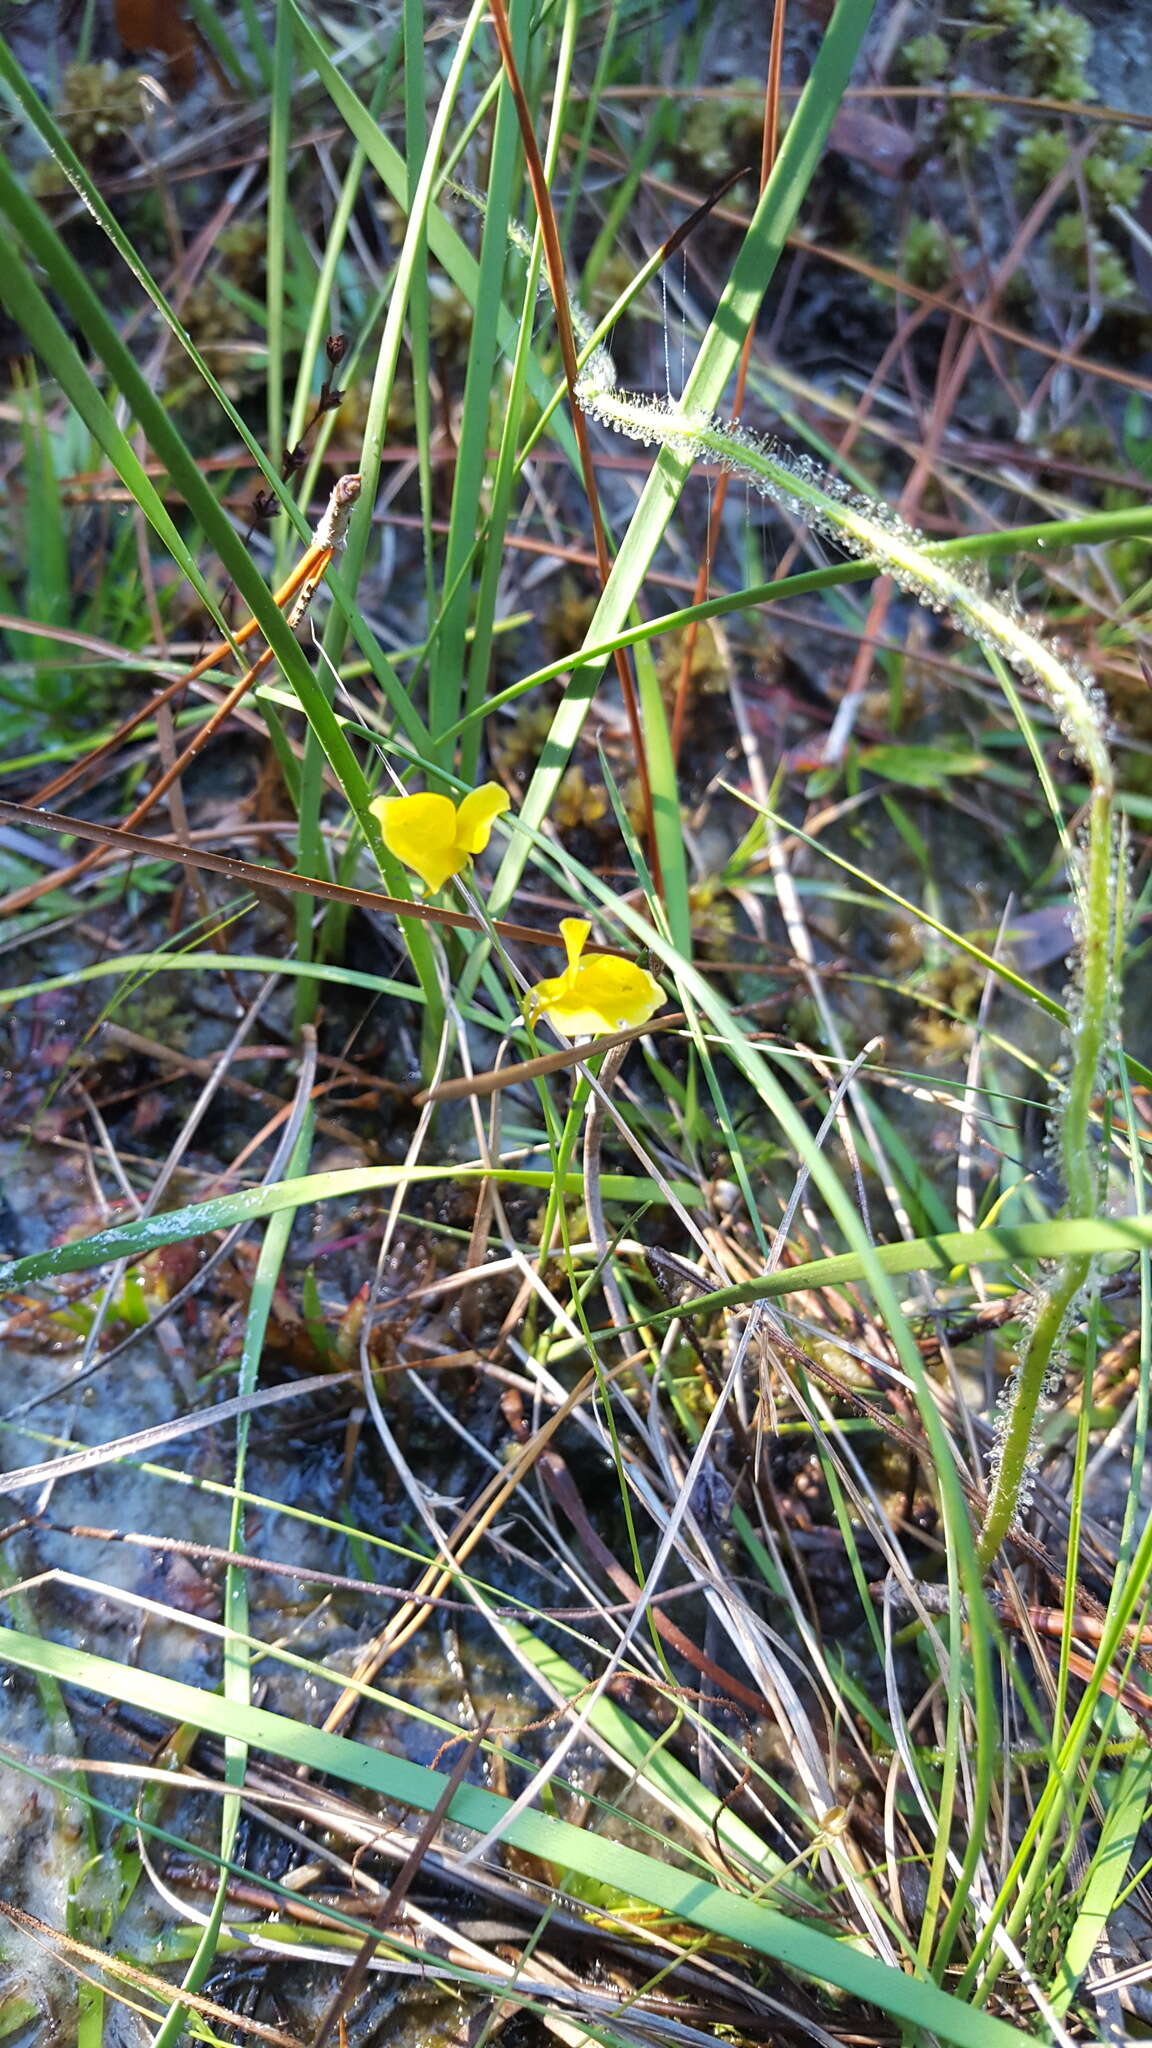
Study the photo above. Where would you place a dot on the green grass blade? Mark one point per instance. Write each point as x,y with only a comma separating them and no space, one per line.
448,666
1003,1243
715,363
559,1843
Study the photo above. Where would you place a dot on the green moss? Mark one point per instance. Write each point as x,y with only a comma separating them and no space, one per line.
1114,181
1040,157
1113,175
352,414
703,139
714,924
578,802
709,666
46,180
971,122
449,319
98,106
1070,84
242,249
1081,252
927,256
215,325
1004,13
925,58
1088,440
613,277
1052,48
718,135
1053,42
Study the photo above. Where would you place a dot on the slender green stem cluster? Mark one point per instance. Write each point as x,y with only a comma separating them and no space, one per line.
872,532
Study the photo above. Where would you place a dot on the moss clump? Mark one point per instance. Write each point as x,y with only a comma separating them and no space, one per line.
713,917
355,402
449,320
1088,440
971,122
47,181
578,803
612,279
1040,157
98,107
924,58
717,135
1079,249
1114,180
1001,14
243,250
352,412
708,670
214,324
517,743
568,618
927,255
1053,45
943,1032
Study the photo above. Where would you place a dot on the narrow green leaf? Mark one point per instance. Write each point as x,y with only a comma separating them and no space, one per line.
715,363
916,1255
683,1895
921,767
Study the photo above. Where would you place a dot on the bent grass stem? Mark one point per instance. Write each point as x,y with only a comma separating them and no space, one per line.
870,531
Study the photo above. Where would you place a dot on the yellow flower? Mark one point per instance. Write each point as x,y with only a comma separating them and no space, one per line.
435,836
594,996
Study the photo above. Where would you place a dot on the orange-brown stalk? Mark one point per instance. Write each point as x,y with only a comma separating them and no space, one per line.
301,585
554,259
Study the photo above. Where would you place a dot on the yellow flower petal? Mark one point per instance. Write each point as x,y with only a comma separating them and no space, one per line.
475,817
421,831
617,992
541,1000
574,931
435,836
593,996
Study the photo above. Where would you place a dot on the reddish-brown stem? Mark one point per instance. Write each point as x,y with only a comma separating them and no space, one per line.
251,875
554,260
302,584
62,878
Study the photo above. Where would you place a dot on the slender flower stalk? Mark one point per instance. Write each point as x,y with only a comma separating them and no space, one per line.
870,531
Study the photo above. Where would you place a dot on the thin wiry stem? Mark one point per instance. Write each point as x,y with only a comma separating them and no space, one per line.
869,530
